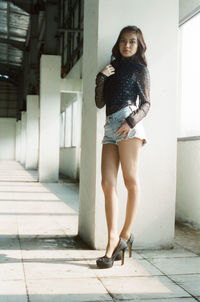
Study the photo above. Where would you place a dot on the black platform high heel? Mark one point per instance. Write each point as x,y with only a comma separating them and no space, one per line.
105,262
129,244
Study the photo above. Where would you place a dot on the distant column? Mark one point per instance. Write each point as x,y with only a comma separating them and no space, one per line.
49,118
32,132
18,141
23,138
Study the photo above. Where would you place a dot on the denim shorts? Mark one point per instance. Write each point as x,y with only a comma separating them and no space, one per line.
113,123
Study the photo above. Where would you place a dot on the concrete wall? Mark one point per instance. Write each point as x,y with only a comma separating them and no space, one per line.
7,138
154,223
187,9
69,162
188,176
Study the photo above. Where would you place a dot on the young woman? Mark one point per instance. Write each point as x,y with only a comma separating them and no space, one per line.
123,86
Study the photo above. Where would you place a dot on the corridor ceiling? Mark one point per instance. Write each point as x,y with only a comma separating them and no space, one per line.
14,26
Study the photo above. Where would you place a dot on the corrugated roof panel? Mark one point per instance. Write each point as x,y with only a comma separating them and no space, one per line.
17,9
3,47
14,24
18,32
3,21
3,5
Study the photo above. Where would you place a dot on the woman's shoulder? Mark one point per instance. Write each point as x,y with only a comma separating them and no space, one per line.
141,69
141,66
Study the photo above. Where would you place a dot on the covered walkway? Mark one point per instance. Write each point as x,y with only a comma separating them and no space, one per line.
41,258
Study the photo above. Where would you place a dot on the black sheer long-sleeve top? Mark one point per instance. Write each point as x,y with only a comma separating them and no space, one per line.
130,80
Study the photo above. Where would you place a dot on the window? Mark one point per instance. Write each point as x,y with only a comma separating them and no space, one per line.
71,128
62,129
74,123
68,126
189,122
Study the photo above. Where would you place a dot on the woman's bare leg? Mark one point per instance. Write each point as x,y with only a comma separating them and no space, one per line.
109,169
129,151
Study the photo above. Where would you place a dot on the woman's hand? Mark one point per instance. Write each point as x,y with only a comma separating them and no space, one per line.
124,130
108,70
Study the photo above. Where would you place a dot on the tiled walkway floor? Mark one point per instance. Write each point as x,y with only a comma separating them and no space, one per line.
41,260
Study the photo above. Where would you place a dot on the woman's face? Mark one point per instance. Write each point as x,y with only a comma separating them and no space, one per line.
128,44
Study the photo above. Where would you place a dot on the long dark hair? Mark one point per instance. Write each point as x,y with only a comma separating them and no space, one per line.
139,57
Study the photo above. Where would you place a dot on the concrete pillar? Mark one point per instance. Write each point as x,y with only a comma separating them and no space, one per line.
154,223
32,139
18,141
49,118
23,137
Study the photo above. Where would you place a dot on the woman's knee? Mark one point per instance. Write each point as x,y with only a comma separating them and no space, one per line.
108,185
131,182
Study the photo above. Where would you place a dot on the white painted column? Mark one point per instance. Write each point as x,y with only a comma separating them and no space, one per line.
32,138
23,137
18,141
49,118
154,223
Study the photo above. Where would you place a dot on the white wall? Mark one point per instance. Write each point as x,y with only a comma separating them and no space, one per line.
69,162
187,8
188,176
7,138
154,224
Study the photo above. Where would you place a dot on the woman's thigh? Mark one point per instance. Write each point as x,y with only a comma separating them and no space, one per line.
129,151
109,164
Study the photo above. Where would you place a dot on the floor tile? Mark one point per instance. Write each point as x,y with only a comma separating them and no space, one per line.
13,291
11,256
142,288
176,252
130,268
188,237
8,226
178,265
8,242
39,226
164,300
52,268
69,290
189,282
11,271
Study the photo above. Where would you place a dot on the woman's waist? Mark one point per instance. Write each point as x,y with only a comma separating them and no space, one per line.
121,113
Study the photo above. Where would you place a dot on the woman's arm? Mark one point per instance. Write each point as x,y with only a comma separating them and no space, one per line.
99,100
100,80
143,83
